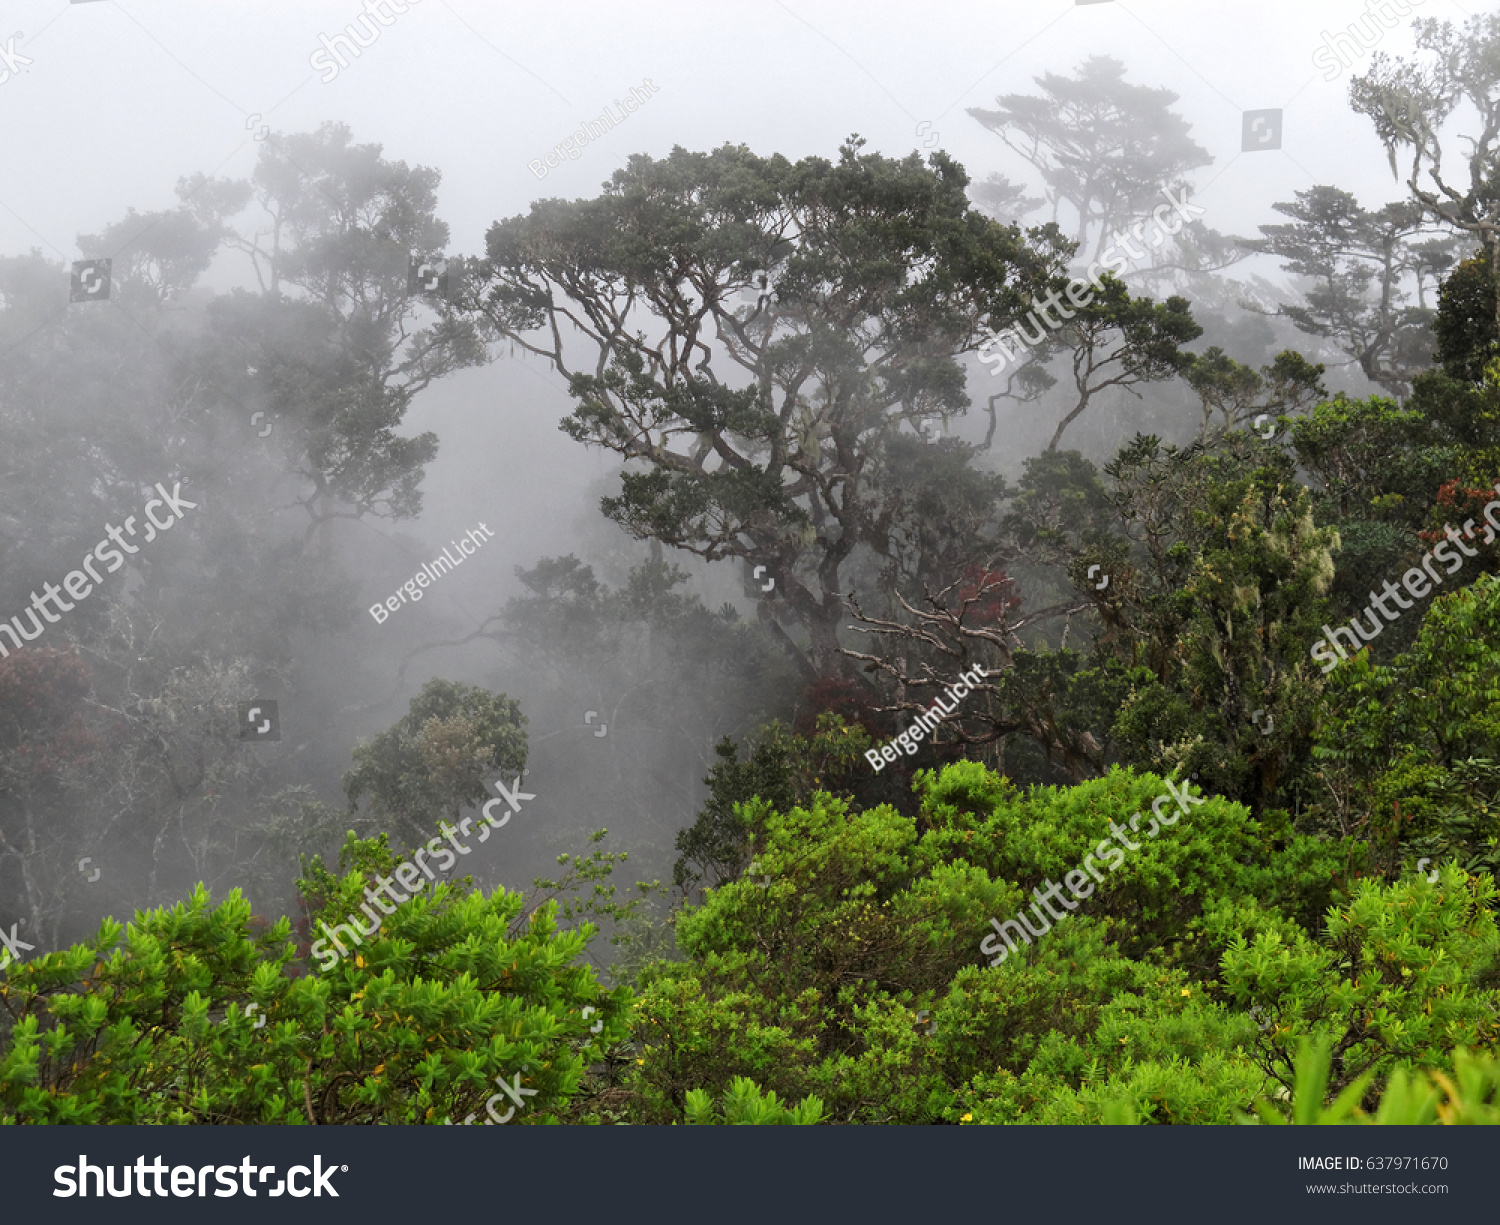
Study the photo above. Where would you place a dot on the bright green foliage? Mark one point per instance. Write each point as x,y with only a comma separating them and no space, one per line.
1469,1095
1362,450
833,932
1175,993
842,963
1164,898
415,1026
1398,976
783,770
1074,1024
1406,749
745,1103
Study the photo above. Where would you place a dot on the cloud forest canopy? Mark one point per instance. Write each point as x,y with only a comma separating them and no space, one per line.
1174,504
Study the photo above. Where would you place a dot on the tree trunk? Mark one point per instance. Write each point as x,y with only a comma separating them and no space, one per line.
1492,241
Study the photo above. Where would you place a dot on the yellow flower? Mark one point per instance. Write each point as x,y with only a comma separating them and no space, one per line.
967,1118
640,1061
1185,991
359,961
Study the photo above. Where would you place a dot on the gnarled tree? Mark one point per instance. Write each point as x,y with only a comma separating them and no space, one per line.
759,429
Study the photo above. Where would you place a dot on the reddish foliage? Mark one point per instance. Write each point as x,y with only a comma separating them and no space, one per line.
993,593
1458,506
41,720
840,696
68,748
41,683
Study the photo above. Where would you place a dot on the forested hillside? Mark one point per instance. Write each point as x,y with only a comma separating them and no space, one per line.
1025,655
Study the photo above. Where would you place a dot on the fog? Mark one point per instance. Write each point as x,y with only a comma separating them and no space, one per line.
118,101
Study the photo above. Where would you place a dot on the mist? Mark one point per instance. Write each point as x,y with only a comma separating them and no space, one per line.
603,403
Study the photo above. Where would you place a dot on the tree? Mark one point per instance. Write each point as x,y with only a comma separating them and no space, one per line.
639,680
957,603
159,255
1464,326
436,759
52,753
1375,473
155,1023
1213,570
100,404
1103,146
782,770
924,648
1405,750
1216,597
1360,450
339,363
1120,341
1358,261
880,276
1407,102
1287,386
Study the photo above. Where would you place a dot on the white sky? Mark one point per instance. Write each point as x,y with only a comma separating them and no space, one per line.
122,98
